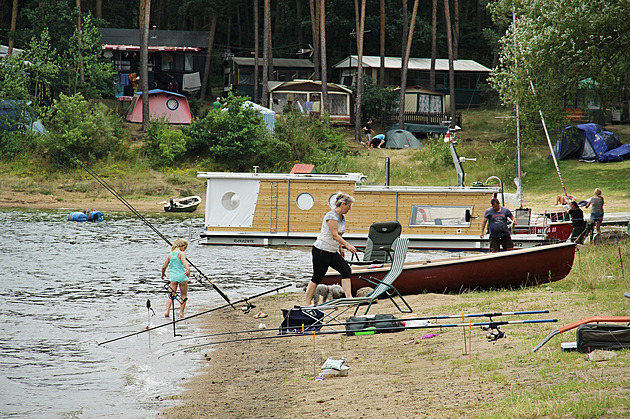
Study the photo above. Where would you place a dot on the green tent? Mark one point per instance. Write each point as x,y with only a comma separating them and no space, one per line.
399,138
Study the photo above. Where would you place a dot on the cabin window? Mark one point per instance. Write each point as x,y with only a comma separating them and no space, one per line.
444,216
305,201
332,201
230,201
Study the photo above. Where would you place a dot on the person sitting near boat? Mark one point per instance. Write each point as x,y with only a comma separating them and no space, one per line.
577,220
562,200
328,248
496,218
179,273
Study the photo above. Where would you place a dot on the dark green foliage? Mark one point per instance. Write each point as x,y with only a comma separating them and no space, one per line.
163,145
376,100
308,139
77,128
234,135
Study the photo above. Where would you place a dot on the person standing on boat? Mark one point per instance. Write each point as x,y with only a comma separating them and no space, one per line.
496,218
328,248
597,212
180,271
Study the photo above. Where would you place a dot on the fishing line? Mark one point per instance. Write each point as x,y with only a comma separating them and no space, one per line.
368,321
337,332
195,315
137,214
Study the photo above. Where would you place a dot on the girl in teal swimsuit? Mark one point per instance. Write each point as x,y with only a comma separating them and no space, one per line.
180,271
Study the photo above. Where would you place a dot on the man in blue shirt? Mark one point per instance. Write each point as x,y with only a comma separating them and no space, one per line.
496,218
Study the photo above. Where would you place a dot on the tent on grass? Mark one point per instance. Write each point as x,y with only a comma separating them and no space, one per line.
589,142
399,138
162,104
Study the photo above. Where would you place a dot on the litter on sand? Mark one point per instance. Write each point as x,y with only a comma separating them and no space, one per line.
427,336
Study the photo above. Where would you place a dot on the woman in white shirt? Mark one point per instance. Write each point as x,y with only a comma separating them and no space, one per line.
328,248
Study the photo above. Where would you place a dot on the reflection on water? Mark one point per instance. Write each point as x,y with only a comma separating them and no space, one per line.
68,286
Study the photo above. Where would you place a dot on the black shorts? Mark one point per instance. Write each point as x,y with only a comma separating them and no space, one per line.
496,243
322,260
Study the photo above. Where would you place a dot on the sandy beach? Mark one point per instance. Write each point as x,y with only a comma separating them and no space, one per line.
453,374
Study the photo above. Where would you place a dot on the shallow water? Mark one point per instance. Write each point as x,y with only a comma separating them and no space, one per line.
68,286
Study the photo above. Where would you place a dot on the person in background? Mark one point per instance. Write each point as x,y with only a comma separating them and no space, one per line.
328,248
368,131
564,200
496,218
217,103
577,219
179,273
597,211
378,141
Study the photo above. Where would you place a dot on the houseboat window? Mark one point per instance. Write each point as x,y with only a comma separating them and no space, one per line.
230,201
305,201
445,216
332,200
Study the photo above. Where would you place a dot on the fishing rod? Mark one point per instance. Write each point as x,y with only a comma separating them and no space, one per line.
242,300
140,216
368,321
492,324
593,319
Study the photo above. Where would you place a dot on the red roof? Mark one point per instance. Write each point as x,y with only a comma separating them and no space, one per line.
303,168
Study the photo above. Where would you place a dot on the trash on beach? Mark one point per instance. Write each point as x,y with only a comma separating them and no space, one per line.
334,368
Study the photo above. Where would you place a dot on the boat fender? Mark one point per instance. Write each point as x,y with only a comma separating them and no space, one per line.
95,216
77,216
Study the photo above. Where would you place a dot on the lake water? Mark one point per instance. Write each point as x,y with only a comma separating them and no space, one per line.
68,286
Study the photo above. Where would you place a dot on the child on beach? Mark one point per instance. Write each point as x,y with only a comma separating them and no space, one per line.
179,273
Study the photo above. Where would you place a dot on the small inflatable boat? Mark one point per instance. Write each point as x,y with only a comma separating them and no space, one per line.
86,216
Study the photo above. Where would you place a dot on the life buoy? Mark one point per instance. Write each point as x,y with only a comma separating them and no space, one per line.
424,214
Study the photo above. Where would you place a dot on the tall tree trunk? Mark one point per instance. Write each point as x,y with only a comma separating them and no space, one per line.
238,27
266,53
269,41
360,19
381,75
256,43
206,86
80,43
405,27
314,9
14,14
299,6
404,67
99,9
456,30
322,42
145,13
433,44
451,70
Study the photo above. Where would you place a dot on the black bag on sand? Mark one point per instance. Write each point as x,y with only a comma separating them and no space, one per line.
376,323
294,318
602,336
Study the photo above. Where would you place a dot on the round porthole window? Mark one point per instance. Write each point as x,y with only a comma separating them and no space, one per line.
172,104
332,200
230,201
305,201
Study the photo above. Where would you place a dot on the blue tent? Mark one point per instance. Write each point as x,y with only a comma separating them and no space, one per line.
589,142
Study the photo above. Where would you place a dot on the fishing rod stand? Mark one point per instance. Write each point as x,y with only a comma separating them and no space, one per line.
174,297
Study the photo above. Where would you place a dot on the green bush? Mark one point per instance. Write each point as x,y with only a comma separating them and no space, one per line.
235,136
164,146
82,130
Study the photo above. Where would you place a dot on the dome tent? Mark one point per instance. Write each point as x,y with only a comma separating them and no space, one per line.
399,138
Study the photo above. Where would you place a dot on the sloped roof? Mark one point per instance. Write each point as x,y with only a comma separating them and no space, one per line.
306,85
277,62
157,38
371,61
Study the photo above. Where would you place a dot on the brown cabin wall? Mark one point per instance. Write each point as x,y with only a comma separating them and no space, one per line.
369,207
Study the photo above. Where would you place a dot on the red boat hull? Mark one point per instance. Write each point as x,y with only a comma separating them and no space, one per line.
511,269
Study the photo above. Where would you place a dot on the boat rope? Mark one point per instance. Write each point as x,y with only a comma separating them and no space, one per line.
242,300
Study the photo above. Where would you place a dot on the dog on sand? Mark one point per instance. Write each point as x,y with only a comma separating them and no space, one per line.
327,292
